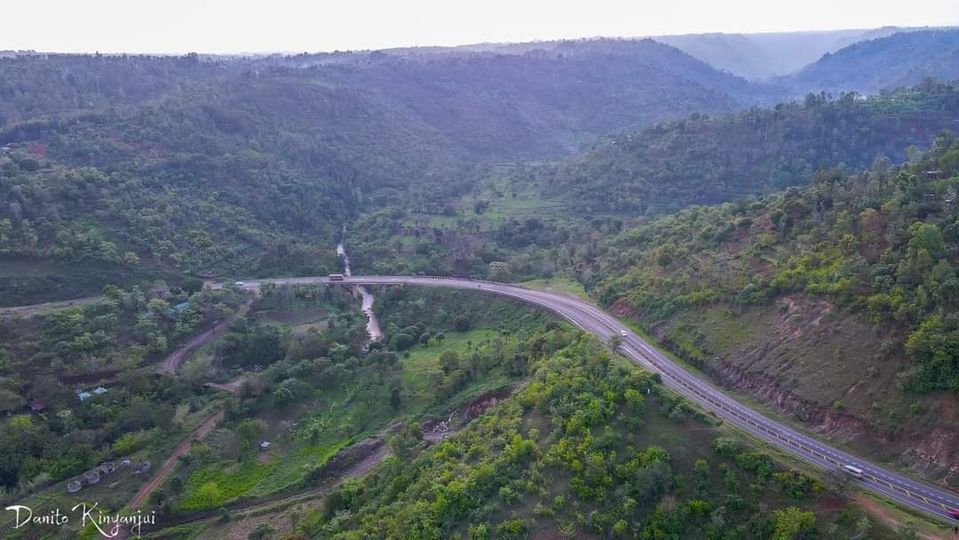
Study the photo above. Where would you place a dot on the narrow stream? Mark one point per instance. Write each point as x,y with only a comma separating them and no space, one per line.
372,324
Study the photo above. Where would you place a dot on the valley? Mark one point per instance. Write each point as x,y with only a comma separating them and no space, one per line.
687,286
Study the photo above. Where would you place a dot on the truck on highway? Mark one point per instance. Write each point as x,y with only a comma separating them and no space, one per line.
954,513
337,277
855,472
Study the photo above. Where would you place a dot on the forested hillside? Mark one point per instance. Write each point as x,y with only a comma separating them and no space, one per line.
34,85
767,294
836,301
589,448
245,179
703,160
174,166
902,59
549,100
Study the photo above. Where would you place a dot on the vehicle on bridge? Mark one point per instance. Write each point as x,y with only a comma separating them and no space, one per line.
337,277
855,472
239,284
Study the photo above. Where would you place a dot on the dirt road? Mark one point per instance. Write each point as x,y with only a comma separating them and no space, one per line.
48,307
229,386
173,362
181,448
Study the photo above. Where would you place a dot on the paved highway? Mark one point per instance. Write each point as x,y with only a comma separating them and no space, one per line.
912,493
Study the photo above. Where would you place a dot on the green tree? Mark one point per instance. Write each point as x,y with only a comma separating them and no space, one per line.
449,361
792,523
210,494
701,473
249,432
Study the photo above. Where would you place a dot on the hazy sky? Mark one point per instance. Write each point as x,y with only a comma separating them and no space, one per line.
214,26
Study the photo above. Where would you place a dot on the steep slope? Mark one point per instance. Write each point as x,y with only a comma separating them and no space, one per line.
705,160
902,59
835,302
189,166
544,101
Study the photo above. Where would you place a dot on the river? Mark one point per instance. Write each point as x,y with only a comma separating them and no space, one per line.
372,324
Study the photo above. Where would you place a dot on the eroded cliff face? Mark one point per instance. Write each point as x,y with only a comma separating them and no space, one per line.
838,375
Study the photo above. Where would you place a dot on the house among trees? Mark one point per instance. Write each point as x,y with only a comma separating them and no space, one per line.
85,395
92,476
36,406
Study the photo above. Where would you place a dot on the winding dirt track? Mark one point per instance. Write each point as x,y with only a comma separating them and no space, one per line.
173,362
170,365
47,307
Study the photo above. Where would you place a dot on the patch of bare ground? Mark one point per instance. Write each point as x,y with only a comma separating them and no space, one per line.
889,519
230,386
622,308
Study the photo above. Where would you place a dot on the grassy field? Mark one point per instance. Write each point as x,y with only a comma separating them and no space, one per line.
335,420
560,285
423,360
502,202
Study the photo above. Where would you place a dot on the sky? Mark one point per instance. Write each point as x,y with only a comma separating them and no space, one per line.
235,26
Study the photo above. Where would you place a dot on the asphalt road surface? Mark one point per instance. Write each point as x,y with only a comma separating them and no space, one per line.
918,495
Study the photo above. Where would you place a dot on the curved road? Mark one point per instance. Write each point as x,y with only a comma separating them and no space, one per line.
918,495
